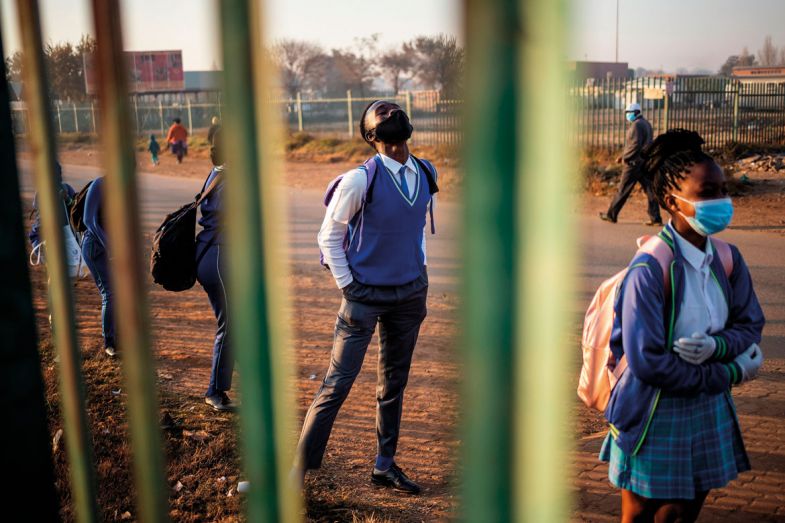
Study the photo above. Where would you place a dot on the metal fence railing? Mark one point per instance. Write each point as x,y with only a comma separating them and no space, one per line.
437,121
722,110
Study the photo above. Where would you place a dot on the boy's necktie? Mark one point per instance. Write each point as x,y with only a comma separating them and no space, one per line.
404,185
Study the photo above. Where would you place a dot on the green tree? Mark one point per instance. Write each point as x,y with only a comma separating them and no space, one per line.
396,66
439,63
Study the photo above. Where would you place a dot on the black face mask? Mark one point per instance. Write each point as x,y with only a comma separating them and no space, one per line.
215,156
395,129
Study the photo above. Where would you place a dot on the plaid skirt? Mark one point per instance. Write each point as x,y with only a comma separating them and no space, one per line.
693,445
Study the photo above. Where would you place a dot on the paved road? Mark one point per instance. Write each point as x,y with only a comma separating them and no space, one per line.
756,496
606,247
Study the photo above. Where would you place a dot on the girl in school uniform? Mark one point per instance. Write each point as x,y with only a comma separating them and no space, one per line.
211,274
95,252
674,434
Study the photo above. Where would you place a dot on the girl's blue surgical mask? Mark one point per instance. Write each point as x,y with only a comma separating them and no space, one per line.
711,216
631,116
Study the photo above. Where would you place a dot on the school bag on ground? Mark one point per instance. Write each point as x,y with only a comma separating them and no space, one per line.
370,167
601,371
173,261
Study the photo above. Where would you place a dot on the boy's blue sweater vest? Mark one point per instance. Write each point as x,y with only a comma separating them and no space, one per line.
392,233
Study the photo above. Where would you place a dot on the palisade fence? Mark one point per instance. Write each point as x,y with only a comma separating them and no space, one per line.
437,121
722,110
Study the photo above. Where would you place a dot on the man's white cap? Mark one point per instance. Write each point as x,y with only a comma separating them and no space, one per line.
633,107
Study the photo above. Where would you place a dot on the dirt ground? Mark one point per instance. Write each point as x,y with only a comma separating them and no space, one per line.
202,456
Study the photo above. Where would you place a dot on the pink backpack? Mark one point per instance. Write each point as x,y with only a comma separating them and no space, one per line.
601,371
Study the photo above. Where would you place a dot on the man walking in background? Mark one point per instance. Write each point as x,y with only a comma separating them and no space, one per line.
639,135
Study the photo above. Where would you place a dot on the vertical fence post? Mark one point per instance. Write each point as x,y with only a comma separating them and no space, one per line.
122,217
736,95
349,112
491,157
299,113
59,120
161,115
92,116
665,107
48,187
76,119
190,119
544,254
256,272
25,452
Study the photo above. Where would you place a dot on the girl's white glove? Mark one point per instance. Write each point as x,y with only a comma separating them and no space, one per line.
696,349
749,361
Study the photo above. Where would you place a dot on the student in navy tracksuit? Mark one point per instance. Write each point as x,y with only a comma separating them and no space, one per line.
382,274
95,251
674,434
212,276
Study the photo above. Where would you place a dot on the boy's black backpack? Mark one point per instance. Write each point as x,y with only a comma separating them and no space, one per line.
76,211
173,261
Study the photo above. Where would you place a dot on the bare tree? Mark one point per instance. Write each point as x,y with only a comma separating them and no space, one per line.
300,63
768,54
781,61
396,66
439,63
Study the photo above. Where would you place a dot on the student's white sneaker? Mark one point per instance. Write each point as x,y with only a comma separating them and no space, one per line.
243,487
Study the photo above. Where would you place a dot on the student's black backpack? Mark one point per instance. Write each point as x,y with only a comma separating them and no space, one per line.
173,261
76,211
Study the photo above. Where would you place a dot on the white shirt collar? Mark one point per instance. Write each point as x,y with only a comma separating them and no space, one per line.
699,259
394,166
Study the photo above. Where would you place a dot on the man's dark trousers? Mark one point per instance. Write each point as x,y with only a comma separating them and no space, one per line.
629,177
399,310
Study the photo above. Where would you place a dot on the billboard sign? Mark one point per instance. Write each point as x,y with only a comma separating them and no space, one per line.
148,71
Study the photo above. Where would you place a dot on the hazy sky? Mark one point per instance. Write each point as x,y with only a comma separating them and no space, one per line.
675,33
191,25
671,34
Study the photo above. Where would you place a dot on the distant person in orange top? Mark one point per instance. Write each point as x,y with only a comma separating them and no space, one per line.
177,139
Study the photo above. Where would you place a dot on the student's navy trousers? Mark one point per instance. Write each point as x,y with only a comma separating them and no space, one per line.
399,312
212,276
97,261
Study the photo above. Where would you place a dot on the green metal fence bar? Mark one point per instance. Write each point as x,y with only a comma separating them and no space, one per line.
127,261
544,255
25,451
255,276
48,186
491,140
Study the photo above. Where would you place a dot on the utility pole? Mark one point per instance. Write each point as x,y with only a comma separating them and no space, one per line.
617,31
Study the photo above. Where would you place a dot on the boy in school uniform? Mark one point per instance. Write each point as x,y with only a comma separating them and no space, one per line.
382,274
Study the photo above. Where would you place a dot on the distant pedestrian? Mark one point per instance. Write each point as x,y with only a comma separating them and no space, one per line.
95,250
687,336
639,135
154,149
177,139
215,124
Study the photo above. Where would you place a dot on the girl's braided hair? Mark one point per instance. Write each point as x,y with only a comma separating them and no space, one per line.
669,156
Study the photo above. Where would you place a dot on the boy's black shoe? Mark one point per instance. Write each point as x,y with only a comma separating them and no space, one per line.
395,478
604,217
653,223
221,402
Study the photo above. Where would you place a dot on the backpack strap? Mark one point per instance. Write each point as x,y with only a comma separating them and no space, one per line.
207,190
430,175
723,250
660,248
370,167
